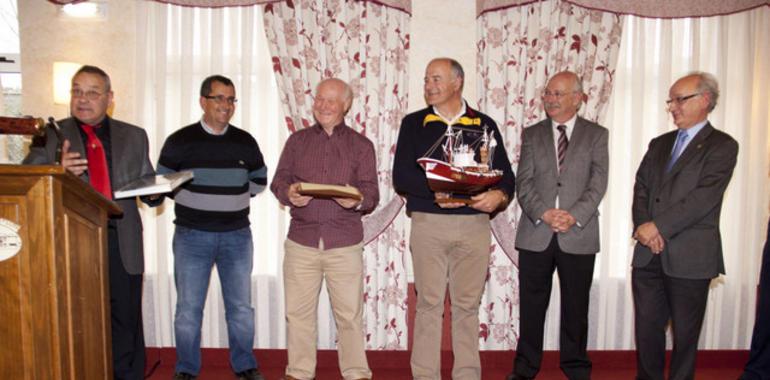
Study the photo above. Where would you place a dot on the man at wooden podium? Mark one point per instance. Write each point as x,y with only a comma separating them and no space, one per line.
108,154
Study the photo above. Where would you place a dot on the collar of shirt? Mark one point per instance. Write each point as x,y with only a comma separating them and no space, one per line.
691,133
450,121
570,124
210,131
101,130
337,131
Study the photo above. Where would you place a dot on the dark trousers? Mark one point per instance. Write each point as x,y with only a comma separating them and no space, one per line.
659,298
126,303
535,280
758,366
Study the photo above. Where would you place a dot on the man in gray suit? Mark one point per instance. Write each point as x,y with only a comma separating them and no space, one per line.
677,202
108,154
562,177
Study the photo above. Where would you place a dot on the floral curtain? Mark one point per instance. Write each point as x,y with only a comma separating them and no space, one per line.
365,44
519,48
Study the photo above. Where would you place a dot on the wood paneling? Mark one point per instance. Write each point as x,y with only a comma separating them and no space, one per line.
54,294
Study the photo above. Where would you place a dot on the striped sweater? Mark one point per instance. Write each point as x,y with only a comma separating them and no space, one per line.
228,171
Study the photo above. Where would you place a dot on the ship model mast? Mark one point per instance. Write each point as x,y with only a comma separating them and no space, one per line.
459,172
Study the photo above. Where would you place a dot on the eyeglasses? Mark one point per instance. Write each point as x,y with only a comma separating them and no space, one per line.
90,95
221,99
679,100
557,94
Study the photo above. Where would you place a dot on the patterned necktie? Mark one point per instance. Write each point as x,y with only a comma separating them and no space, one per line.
678,148
562,146
97,163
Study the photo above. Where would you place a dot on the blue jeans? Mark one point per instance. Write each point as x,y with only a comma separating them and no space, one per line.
195,253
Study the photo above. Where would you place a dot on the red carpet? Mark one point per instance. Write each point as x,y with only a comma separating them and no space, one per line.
394,365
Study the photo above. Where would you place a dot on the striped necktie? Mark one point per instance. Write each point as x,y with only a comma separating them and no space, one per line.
98,174
561,152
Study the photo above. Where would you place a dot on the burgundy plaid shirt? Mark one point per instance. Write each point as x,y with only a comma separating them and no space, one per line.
344,158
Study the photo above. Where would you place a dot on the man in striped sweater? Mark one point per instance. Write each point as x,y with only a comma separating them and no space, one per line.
212,226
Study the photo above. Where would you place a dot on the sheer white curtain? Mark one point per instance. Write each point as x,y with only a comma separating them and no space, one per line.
653,54
178,48
519,48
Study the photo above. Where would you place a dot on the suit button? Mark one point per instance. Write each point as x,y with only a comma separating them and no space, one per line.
558,184
657,200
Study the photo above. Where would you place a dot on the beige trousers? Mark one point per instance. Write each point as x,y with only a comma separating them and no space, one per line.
304,269
453,250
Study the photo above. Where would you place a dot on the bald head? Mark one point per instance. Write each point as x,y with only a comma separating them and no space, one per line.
443,85
339,85
569,77
691,98
563,96
333,98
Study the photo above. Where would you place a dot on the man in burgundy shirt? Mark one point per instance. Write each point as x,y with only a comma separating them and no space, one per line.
325,234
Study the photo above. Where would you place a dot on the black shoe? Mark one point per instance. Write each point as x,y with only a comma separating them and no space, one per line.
183,376
250,374
514,376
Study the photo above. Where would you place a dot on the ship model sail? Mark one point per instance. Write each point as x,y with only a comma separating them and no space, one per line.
459,172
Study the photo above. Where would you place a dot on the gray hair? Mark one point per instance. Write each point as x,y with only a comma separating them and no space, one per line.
456,67
578,84
90,69
707,83
347,93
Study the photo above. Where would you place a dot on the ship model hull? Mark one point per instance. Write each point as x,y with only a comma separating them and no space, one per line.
446,178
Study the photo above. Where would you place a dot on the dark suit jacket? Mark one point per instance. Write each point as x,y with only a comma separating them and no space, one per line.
130,160
580,186
686,202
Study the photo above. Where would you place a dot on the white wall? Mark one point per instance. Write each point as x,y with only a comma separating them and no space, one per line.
46,37
442,28
439,28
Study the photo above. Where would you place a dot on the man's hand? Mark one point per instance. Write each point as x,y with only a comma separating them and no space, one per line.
348,203
563,221
559,220
71,160
648,235
488,201
447,204
297,199
656,244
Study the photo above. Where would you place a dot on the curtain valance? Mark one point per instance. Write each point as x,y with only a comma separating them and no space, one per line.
402,5
643,8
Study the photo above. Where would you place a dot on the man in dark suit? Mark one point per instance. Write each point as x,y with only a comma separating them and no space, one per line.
562,178
677,202
108,154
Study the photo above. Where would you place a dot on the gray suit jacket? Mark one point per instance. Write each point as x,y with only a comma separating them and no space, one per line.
686,202
580,186
130,160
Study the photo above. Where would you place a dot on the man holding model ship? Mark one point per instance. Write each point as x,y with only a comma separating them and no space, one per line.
325,237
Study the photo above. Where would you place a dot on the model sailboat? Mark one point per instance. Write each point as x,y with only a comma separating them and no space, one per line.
459,172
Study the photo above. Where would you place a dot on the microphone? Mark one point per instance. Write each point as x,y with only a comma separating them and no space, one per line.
57,130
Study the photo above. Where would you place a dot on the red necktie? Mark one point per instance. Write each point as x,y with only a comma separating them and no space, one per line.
97,163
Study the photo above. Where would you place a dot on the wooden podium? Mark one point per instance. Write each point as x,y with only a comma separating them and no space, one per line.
54,293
